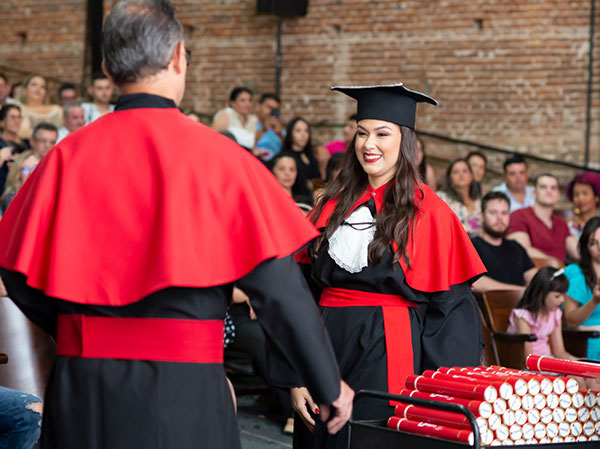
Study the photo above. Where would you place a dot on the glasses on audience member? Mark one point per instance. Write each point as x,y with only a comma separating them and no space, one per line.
14,116
28,170
188,55
360,226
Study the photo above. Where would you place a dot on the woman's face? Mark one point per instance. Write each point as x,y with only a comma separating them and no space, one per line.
460,175
377,147
12,121
29,165
477,165
584,198
594,246
553,301
300,135
285,171
35,92
242,104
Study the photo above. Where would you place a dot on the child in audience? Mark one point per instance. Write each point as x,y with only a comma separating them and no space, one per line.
539,313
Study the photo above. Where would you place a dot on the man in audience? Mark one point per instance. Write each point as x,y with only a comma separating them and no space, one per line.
541,232
349,131
145,262
508,265
101,92
72,120
67,94
269,133
43,138
5,91
515,183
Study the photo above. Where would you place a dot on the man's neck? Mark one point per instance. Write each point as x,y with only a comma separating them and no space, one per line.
7,135
543,212
161,89
494,241
102,107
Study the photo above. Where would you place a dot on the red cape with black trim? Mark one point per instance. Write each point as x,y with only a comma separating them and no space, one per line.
141,200
440,251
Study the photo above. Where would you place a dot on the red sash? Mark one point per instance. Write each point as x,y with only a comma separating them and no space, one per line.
396,322
158,339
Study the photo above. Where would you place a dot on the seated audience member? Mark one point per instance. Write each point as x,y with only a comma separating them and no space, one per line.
334,167
67,94
298,144
20,419
508,265
101,92
515,183
237,118
73,119
584,192
10,122
425,170
539,313
461,195
349,132
581,306
539,230
20,170
478,163
5,91
34,108
285,170
44,137
269,132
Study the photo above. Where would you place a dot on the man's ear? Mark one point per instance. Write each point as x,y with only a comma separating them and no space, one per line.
107,73
179,58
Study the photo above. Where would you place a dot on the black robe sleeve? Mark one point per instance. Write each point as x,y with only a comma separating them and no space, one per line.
36,306
293,326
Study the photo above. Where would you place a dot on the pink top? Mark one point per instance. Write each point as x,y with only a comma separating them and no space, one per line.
540,327
335,146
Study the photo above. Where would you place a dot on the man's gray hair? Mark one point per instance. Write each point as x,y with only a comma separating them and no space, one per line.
139,38
69,106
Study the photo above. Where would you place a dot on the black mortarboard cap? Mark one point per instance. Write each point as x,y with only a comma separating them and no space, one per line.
391,103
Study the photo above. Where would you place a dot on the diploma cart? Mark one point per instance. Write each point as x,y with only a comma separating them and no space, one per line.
374,434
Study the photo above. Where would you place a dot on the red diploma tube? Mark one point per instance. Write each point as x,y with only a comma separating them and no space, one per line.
504,384
431,430
464,390
478,408
440,417
567,367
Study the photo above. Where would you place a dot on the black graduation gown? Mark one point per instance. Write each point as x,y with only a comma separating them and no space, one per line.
445,331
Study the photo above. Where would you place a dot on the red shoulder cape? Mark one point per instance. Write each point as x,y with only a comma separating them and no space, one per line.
141,200
440,251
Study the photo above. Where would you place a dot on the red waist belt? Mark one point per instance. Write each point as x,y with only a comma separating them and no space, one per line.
396,323
158,339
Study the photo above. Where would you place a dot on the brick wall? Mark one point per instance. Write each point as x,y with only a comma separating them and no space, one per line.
509,73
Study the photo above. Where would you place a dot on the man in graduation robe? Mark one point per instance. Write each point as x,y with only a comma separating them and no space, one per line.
124,245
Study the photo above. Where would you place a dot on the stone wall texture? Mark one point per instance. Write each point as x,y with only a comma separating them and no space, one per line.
507,73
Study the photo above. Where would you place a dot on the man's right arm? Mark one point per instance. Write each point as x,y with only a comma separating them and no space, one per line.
485,283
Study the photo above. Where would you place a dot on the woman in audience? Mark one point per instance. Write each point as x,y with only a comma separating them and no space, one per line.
298,144
285,169
461,195
581,305
34,107
538,312
20,170
584,192
425,170
237,118
478,163
383,267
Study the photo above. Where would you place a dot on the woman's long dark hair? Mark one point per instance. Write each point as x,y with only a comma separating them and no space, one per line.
289,140
585,263
542,283
473,193
399,209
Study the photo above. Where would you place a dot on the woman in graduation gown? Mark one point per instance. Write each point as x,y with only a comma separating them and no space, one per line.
392,266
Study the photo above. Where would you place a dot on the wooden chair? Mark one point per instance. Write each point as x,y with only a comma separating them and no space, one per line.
30,351
497,305
489,355
541,262
576,340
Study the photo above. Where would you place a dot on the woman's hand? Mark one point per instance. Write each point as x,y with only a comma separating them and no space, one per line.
301,401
